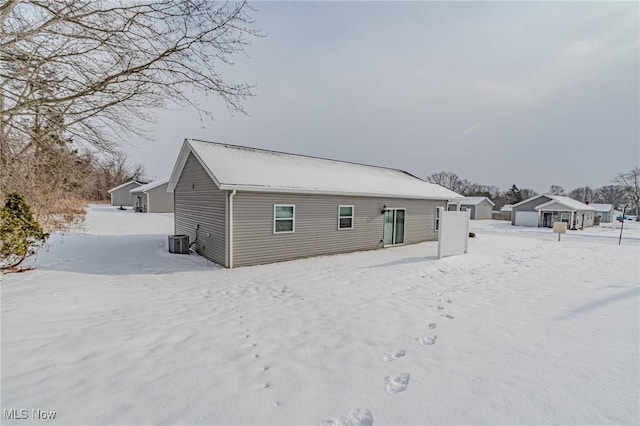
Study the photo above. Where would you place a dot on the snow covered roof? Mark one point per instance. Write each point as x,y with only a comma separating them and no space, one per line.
506,208
602,207
124,184
474,201
148,186
567,202
252,169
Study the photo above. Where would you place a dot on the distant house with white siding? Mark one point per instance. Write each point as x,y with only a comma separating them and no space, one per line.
153,197
543,210
245,206
121,195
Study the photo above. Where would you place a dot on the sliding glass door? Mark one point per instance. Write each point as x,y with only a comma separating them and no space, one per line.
393,227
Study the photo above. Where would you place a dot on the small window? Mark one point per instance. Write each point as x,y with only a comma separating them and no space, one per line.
284,218
565,217
438,218
345,217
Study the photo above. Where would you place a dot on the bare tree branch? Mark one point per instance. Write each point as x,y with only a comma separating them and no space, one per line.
104,59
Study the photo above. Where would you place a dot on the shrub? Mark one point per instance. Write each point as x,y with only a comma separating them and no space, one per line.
20,234
472,234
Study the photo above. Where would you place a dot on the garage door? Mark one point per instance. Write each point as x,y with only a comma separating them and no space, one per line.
526,219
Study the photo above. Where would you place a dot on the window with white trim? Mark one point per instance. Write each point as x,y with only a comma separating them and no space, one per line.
284,218
565,217
345,217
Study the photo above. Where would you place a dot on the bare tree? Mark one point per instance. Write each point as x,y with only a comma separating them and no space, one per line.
610,194
513,195
449,180
584,194
103,64
79,74
630,181
557,190
527,193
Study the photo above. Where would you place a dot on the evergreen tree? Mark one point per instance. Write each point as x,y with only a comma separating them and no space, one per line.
20,234
513,195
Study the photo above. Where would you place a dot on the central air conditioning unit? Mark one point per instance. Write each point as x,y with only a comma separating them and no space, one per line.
179,244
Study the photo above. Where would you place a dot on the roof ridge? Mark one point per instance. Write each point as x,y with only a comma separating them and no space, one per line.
249,148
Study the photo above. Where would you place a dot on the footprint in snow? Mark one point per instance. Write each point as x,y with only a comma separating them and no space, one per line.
448,316
396,383
393,357
427,341
354,418
440,307
446,300
431,325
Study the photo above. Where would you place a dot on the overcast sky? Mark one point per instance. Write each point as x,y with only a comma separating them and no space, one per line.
528,93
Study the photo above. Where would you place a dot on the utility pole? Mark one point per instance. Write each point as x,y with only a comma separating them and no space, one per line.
624,209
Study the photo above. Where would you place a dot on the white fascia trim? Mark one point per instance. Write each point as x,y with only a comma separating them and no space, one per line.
180,163
548,203
478,203
123,185
149,186
530,199
250,188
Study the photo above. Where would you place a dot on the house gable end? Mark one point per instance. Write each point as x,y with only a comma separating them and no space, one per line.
185,152
531,203
554,206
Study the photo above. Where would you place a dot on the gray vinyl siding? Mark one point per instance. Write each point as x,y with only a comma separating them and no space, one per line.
122,196
529,206
471,209
316,225
159,200
605,216
479,211
483,210
198,201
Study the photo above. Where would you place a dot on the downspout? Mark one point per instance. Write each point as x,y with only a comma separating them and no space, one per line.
233,193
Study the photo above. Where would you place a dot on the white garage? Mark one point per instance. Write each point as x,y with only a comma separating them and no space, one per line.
526,219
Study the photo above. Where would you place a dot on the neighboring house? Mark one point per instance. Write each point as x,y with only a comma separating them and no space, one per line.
480,207
544,210
605,212
120,195
244,206
507,208
153,197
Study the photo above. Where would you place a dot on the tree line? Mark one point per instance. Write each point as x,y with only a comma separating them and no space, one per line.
623,190
80,77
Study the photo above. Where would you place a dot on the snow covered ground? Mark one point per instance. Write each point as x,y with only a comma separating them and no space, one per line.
605,233
112,329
